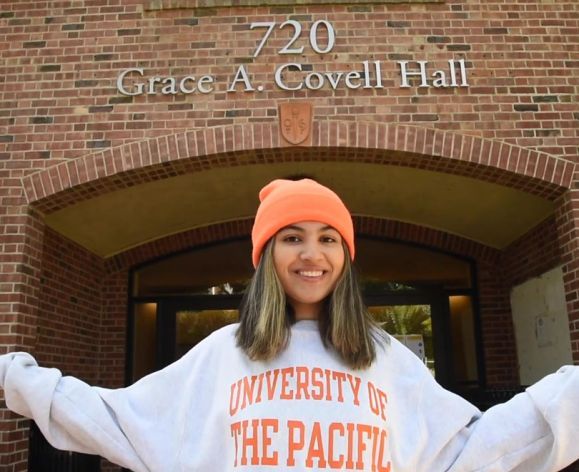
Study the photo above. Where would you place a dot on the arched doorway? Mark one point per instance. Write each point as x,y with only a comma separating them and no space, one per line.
426,298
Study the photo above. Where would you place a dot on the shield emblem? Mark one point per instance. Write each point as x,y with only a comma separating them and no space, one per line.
295,121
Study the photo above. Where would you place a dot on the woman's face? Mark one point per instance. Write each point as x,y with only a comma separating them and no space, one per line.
308,258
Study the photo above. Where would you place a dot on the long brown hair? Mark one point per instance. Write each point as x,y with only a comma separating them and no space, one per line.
345,323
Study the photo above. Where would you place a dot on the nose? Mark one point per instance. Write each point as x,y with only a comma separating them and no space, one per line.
311,251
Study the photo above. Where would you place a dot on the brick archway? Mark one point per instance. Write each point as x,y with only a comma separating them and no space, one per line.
534,172
367,226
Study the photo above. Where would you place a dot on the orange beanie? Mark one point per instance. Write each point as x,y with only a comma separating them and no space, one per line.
284,202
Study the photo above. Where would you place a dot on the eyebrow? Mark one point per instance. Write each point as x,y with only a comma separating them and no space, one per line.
299,228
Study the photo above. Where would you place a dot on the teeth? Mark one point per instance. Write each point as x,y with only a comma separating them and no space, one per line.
311,273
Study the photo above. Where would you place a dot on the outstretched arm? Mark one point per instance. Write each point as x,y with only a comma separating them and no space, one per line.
147,426
536,431
71,415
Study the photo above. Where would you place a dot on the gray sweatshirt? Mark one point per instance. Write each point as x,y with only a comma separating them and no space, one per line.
215,410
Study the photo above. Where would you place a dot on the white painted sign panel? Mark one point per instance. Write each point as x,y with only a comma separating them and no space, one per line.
541,326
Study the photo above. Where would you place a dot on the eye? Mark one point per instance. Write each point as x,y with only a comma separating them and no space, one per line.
328,238
290,238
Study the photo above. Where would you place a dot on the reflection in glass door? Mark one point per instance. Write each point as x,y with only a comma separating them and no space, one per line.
163,332
412,326
192,326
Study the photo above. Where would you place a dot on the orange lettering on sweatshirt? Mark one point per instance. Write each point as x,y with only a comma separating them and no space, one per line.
248,387
355,383
286,392
377,400
328,384
300,383
249,436
249,442
380,465
350,461
235,432
317,383
234,404
335,463
295,443
271,376
316,448
268,459
363,429
340,377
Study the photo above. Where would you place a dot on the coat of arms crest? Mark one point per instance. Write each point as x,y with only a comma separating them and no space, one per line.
295,121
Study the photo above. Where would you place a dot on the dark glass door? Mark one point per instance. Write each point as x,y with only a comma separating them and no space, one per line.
419,320
183,323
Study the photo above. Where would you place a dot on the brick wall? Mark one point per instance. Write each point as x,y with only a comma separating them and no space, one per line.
567,236
21,241
500,353
113,329
59,104
61,61
70,306
533,254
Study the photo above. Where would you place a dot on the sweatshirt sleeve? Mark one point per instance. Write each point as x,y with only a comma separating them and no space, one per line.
71,415
139,427
536,431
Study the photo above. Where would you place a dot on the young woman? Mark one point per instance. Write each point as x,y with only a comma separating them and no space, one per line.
305,381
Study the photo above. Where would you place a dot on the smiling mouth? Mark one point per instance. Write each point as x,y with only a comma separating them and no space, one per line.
311,273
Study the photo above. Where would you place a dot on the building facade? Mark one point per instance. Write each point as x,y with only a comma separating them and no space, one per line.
135,135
